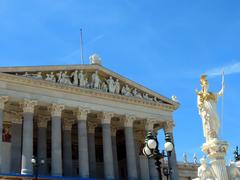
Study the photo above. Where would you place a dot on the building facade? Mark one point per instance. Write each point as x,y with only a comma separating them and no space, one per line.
79,120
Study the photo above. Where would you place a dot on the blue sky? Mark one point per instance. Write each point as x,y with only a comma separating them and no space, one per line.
163,45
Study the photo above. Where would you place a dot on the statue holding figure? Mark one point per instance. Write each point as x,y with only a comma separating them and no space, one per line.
74,76
96,80
207,108
205,172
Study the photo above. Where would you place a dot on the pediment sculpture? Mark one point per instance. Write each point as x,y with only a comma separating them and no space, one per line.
91,80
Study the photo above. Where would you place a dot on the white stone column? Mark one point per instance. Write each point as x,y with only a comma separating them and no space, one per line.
168,129
56,147
107,146
3,100
42,143
67,147
83,142
91,149
114,148
27,142
130,148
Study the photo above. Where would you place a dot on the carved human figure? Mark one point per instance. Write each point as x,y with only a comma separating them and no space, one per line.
74,76
38,75
195,158
96,80
126,91
52,77
205,172
234,172
117,86
26,74
81,78
136,93
185,158
207,106
111,86
6,136
59,77
65,78
146,96
104,87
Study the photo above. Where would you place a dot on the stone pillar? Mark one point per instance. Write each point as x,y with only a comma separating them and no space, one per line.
67,147
91,149
130,148
42,144
16,145
114,149
27,142
56,147
107,146
3,100
168,128
83,142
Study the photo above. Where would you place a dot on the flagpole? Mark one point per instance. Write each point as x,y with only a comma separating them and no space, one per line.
222,101
81,46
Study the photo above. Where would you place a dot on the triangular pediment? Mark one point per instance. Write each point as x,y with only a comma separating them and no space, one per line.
91,76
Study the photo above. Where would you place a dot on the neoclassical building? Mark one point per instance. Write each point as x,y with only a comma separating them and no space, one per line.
82,120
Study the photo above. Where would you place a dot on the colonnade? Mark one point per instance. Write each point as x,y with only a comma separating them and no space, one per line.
61,152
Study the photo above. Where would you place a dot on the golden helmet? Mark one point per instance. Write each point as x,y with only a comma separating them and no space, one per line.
203,80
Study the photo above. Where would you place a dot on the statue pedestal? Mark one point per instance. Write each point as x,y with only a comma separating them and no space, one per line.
216,151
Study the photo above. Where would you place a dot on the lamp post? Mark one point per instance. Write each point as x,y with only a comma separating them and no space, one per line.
236,154
36,163
151,150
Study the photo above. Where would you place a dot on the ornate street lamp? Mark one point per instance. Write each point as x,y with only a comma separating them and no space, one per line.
151,150
36,164
236,154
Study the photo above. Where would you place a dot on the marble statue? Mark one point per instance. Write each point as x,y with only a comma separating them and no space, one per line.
82,79
145,96
95,59
104,87
74,76
185,158
207,106
65,79
174,98
52,77
111,85
59,76
195,158
95,80
26,74
136,93
37,76
234,172
117,86
205,172
126,91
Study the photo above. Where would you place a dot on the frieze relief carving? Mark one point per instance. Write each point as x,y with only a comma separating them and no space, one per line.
91,80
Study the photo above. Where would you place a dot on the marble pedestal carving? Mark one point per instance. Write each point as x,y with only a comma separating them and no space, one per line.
216,151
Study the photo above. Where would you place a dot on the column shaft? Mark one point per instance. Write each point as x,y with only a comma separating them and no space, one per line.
56,146
83,149
16,147
115,159
67,153
131,154
27,144
42,149
107,152
92,155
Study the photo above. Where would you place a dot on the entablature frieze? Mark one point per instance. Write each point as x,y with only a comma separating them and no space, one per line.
150,102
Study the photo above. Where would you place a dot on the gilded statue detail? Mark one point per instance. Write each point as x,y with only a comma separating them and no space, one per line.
207,106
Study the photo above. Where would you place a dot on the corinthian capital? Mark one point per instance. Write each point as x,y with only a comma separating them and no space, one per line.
91,127
3,100
67,124
42,121
149,124
106,117
28,105
168,126
56,109
82,113
128,120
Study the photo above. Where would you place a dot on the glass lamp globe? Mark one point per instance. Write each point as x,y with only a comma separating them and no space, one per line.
33,160
42,161
152,144
168,146
146,151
